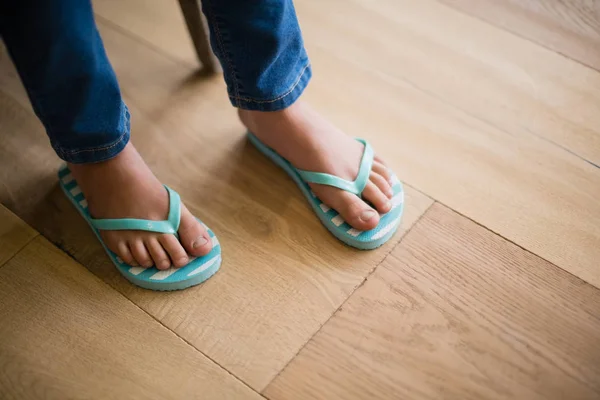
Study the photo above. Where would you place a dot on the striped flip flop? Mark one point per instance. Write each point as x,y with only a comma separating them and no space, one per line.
364,240
196,271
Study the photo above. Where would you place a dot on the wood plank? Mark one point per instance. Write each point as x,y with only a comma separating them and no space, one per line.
14,234
569,27
65,334
283,274
455,312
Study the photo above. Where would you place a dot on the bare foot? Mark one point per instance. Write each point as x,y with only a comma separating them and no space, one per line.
310,142
124,187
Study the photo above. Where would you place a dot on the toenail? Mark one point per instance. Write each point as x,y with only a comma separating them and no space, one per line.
199,242
183,261
367,215
165,264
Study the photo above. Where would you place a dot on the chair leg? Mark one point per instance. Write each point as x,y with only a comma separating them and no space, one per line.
195,24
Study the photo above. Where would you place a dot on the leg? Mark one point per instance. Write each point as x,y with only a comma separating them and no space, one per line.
265,65
60,57
72,87
259,46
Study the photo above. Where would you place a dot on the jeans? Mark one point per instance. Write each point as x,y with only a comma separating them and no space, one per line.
61,60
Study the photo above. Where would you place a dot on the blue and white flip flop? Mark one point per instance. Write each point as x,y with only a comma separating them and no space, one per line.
195,272
364,240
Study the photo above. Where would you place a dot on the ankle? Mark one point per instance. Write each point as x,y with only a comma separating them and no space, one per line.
253,117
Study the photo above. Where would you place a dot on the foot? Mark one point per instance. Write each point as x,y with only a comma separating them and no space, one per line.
124,187
310,142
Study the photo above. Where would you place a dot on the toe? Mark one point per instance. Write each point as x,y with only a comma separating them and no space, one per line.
353,210
158,254
176,252
193,236
382,183
376,197
382,170
140,253
125,255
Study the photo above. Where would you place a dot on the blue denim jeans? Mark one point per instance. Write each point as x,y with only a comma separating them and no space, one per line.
73,89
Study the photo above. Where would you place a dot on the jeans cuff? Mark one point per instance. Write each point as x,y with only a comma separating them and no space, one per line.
98,153
94,155
279,103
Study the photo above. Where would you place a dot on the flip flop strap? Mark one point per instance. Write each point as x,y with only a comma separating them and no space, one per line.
171,225
355,187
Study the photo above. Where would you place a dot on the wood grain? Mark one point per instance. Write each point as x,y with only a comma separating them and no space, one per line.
461,110
14,234
569,27
455,312
283,274
511,83
475,117
446,106
65,334
492,74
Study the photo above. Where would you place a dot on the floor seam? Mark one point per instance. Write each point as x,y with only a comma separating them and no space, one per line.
361,283
520,36
387,255
21,248
498,127
560,146
178,60
443,100
433,95
490,230
118,292
517,244
188,343
446,103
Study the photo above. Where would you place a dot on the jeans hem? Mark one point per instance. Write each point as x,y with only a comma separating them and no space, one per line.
279,103
93,155
96,154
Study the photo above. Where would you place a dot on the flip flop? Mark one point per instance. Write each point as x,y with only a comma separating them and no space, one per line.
364,240
195,272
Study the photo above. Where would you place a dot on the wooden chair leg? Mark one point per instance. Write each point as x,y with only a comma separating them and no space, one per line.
196,26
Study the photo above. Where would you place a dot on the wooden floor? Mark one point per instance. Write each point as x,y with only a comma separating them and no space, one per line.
488,110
